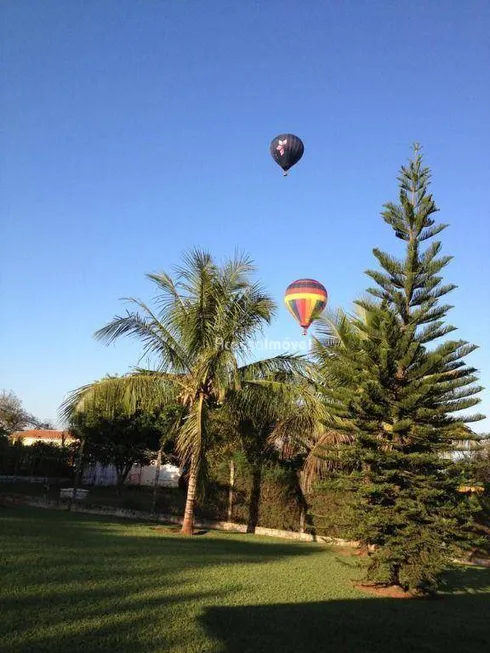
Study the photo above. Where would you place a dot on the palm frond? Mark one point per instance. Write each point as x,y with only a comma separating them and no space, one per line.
323,457
143,389
283,363
156,338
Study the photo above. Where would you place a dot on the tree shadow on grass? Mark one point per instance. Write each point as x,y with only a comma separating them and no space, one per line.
84,531
456,623
81,584
465,579
75,583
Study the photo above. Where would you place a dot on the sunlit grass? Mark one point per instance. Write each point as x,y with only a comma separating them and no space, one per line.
77,583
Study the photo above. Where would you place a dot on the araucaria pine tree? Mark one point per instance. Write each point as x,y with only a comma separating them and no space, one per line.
398,390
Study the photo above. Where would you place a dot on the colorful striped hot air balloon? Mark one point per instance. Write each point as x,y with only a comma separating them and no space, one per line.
305,299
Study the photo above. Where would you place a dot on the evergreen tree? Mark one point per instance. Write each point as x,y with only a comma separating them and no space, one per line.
400,394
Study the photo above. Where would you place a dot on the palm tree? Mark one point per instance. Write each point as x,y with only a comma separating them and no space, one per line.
264,414
313,433
199,336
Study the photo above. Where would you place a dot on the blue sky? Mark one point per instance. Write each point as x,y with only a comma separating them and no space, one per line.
136,129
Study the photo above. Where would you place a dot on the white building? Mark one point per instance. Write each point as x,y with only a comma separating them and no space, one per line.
100,475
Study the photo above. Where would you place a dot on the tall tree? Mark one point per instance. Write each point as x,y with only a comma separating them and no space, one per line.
199,336
399,396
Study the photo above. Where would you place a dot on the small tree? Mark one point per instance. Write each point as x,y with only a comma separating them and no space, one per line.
119,439
400,399
13,416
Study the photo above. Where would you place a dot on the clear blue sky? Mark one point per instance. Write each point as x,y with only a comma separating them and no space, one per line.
136,129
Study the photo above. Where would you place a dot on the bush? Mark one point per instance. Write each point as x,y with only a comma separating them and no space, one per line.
38,459
279,504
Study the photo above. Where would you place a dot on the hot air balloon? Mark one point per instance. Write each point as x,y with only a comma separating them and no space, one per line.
287,150
305,299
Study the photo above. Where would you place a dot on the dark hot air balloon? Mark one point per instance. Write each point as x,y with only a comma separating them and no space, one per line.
305,299
287,150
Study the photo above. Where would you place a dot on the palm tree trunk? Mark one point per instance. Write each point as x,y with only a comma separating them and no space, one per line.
190,502
302,518
157,478
305,520
231,489
253,511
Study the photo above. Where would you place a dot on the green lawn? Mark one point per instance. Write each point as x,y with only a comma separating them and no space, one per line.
77,583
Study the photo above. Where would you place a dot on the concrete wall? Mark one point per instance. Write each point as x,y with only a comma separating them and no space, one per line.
124,513
169,475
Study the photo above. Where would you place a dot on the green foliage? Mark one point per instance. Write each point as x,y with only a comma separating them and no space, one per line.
74,583
197,336
38,459
120,439
255,420
278,505
479,461
399,397
13,416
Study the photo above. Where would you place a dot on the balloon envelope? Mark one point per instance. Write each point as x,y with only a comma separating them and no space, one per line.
287,150
305,299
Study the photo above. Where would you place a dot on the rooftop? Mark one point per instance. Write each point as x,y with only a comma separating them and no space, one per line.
42,434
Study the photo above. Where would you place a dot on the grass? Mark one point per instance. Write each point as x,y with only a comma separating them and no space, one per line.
73,583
